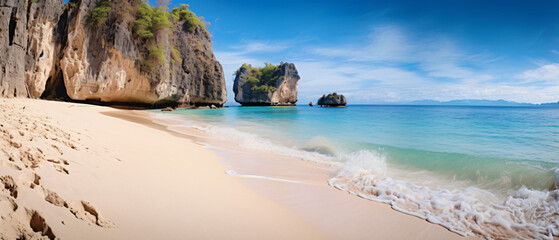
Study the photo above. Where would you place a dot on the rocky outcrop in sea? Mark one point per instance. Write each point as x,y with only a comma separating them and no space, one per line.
332,100
100,50
270,85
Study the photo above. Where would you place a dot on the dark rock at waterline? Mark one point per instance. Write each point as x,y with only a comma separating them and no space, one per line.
332,100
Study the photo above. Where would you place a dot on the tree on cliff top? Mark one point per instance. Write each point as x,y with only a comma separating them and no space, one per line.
151,20
100,13
264,78
150,23
182,13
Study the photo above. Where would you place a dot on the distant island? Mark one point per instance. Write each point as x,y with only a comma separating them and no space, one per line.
477,102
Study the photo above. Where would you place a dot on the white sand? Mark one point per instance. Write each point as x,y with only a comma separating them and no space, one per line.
124,181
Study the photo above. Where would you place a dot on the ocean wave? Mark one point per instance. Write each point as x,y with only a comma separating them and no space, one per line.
249,140
468,211
527,214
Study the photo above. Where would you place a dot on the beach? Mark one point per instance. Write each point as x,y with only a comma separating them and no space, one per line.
216,119
78,171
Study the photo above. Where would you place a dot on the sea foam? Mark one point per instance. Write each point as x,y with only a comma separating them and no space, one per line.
528,214
249,140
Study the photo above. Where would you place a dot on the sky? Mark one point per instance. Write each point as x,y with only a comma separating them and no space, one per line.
394,51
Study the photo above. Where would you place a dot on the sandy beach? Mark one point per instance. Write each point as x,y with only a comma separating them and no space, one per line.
77,171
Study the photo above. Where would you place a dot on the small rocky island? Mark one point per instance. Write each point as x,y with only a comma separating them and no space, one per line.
270,85
332,100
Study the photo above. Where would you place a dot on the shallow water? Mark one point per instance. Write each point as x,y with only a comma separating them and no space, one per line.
486,171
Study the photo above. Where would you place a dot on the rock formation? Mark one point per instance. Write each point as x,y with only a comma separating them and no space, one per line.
13,43
332,100
267,86
52,50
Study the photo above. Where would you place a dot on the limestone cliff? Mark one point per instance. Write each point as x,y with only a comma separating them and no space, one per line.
332,100
43,44
267,86
13,43
54,51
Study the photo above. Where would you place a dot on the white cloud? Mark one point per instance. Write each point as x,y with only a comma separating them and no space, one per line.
548,74
359,82
261,47
386,44
236,58
437,56
265,47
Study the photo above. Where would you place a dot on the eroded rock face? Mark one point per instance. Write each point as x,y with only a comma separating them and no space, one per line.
40,58
199,78
28,46
332,100
96,67
13,42
102,63
54,52
284,92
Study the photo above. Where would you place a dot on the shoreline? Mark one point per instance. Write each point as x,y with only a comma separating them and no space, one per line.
280,177
90,172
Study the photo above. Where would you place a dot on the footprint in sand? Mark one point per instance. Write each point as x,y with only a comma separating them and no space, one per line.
30,179
10,185
82,210
58,165
61,169
38,224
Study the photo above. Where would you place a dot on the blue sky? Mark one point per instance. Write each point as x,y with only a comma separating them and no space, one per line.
395,51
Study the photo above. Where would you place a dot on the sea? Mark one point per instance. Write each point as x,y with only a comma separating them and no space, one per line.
491,172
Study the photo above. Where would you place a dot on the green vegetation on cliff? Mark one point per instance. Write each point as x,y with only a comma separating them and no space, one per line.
330,95
193,21
157,54
262,79
150,20
176,56
155,58
149,25
100,13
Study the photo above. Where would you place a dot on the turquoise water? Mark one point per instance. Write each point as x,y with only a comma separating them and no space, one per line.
500,152
454,140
